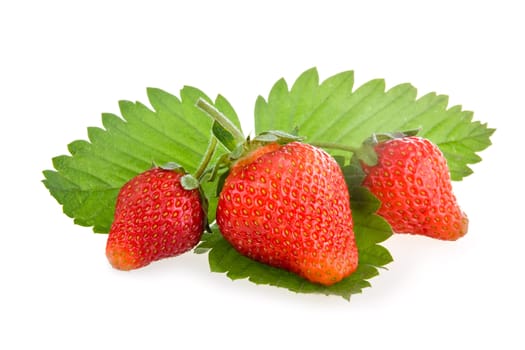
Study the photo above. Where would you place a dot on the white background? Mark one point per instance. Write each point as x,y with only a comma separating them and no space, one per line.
64,63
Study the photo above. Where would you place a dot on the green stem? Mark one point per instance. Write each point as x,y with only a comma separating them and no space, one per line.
332,145
207,157
220,118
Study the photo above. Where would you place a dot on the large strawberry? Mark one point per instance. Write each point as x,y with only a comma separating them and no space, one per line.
288,206
155,218
412,181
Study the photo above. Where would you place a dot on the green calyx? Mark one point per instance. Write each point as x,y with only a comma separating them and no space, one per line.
387,136
189,182
277,136
367,154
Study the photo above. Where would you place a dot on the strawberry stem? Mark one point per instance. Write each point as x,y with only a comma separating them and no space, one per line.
212,145
220,118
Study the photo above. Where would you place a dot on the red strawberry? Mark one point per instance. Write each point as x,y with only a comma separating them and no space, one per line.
155,218
412,181
288,207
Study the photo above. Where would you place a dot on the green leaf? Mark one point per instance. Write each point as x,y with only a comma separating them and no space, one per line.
87,182
332,111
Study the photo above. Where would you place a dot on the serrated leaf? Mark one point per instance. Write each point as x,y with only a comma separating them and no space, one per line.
87,182
333,111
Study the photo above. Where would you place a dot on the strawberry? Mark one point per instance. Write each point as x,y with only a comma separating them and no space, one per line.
155,218
412,181
288,206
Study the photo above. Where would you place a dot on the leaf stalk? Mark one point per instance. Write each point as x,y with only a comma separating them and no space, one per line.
212,145
220,118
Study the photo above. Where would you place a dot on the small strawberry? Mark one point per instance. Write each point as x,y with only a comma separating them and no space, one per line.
412,181
288,206
155,218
